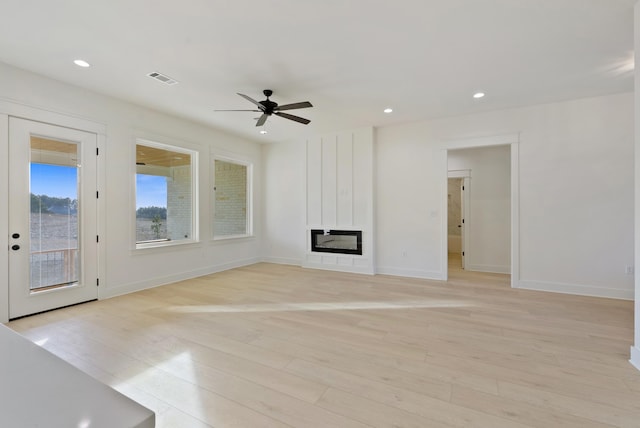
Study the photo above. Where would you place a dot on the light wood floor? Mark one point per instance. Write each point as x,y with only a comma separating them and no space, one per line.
280,346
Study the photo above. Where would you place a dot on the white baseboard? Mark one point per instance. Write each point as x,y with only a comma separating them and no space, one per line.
108,292
488,268
282,261
410,273
635,357
579,289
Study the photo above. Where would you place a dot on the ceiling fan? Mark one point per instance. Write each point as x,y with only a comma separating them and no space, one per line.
268,107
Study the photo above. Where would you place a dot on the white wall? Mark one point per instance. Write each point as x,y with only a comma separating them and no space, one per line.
284,211
635,350
124,268
408,199
575,192
488,247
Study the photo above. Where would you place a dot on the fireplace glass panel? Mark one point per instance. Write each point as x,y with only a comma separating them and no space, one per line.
336,241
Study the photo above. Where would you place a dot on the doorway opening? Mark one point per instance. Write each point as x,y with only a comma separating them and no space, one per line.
457,185
480,209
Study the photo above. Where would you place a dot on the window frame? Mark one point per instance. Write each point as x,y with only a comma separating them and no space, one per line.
195,194
249,198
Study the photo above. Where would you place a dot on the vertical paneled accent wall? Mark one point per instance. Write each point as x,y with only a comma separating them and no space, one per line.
340,195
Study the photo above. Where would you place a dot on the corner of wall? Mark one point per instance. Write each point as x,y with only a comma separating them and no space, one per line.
635,351
635,357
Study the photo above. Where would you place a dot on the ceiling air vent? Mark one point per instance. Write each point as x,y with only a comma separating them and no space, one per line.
162,78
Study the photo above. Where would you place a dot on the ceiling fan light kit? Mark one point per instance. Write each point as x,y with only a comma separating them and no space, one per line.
268,108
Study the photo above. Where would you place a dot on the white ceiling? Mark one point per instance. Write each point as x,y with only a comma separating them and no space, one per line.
350,58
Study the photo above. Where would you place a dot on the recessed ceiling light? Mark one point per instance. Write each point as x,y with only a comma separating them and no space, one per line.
478,95
81,63
263,131
388,110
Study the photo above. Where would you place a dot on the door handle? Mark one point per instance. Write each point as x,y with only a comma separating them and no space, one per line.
15,235
15,247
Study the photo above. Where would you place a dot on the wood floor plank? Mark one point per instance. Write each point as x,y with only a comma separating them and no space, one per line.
571,405
437,377
373,413
381,415
519,411
200,403
154,353
280,346
623,399
437,411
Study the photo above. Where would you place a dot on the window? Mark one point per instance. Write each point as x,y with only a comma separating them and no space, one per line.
232,189
165,195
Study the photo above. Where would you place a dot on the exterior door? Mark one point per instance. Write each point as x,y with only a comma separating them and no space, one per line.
53,255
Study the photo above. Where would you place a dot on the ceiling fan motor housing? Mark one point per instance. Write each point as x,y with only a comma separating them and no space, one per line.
269,106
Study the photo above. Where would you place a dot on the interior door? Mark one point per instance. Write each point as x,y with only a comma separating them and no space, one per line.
462,223
464,213
53,254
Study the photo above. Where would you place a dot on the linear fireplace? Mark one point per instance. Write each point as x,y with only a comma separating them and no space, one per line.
336,241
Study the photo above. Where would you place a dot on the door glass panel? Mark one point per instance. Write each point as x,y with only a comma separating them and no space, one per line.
54,255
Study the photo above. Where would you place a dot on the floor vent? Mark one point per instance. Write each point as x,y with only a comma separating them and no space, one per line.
162,78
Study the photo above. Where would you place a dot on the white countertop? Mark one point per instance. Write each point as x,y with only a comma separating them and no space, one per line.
38,389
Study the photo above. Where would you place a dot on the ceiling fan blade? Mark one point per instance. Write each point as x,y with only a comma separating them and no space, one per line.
292,117
248,98
262,120
304,104
258,111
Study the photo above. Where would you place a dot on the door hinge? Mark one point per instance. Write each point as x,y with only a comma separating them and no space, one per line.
463,253
97,238
463,221
97,195
97,151
98,282
462,187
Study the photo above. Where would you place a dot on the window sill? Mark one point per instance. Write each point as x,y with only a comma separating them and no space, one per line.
164,243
